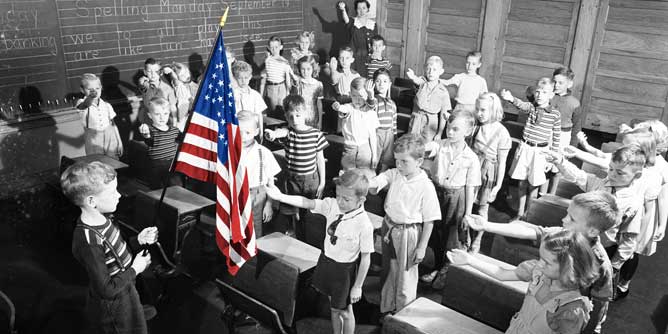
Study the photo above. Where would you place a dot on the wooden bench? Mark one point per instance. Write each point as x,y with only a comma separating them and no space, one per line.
482,297
548,210
424,316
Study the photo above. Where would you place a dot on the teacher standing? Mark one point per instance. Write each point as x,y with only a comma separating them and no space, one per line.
361,29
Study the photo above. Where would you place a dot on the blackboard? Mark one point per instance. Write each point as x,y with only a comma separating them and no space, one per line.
45,45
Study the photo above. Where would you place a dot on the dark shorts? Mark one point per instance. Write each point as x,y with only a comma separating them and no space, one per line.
302,185
335,279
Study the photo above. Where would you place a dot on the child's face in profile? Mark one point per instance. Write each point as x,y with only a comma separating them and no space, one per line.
152,72
383,84
297,116
275,48
159,116
346,59
248,132
483,110
347,199
92,88
562,84
548,264
576,220
243,79
433,71
106,200
377,48
304,43
457,130
543,95
621,175
472,65
406,164
306,70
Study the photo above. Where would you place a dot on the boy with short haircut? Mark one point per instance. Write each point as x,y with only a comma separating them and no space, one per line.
375,60
591,214
261,167
349,237
432,102
358,125
112,304
542,132
456,174
623,182
162,141
342,79
304,155
275,82
100,133
246,98
151,86
411,207
469,84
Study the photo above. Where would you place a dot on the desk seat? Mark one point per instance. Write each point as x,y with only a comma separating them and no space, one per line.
424,316
482,297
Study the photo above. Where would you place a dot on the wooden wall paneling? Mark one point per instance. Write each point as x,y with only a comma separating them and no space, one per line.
416,29
627,77
391,19
492,45
582,44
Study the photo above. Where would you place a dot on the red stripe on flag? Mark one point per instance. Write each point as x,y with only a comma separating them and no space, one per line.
201,131
194,171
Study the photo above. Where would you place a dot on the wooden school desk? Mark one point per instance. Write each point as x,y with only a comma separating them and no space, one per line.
289,249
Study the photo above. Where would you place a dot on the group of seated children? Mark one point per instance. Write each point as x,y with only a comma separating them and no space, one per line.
439,179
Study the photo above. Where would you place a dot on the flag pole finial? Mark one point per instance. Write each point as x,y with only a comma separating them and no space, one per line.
224,17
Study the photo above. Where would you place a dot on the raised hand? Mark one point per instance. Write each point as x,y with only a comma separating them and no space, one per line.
144,131
507,95
459,257
148,236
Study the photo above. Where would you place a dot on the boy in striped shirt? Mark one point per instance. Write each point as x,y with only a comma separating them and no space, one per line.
376,60
112,304
541,133
304,155
162,141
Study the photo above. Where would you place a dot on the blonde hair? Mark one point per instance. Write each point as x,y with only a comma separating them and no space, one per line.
496,113
158,102
644,138
602,210
577,264
310,35
660,133
84,179
434,59
411,144
88,77
354,179
247,116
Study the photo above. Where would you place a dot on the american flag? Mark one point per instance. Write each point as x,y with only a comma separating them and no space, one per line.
211,152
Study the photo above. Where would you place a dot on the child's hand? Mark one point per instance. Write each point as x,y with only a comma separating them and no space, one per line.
492,194
167,70
370,88
320,190
459,257
570,151
355,294
507,95
144,131
410,73
336,105
141,262
658,235
582,139
624,128
148,236
552,157
341,5
333,64
267,213
475,222
273,192
270,134
419,255
143,81
432,148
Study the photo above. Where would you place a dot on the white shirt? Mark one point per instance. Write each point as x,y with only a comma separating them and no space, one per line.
97,117
409,201
359,125
469,87
268,167
354,233
248,99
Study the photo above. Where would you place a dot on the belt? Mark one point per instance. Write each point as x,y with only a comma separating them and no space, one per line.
271,83
448,189
534,144
566,129
394,225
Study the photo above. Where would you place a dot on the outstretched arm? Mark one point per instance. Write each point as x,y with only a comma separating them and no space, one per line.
294,200
460,257
519,231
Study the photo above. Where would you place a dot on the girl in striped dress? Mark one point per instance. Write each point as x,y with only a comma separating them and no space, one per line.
541,133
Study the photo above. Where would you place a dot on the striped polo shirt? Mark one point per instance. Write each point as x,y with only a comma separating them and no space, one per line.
374,64
387,114
301,147
276,68
112,234
543,124
162,145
